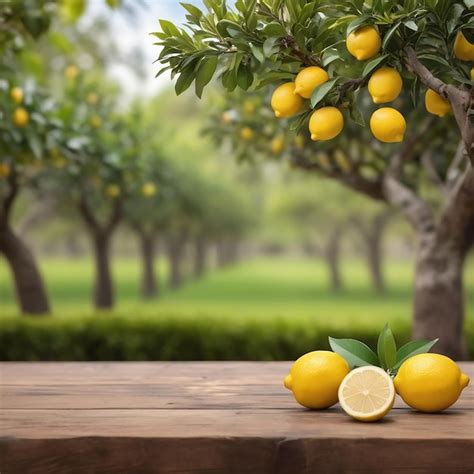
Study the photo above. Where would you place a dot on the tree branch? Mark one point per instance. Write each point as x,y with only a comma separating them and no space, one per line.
461,100
115,217
87,215
13,189
432,173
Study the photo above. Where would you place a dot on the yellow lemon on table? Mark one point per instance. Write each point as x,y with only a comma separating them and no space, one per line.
435,104
277,145
5,170
326,123
21,117
315,377
17,95
385,85
285,103
367,393
463,49
308,79
246,133
430,382
149,189
364,43
388,125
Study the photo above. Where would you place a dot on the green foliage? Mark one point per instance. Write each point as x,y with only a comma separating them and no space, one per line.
165,338
388,358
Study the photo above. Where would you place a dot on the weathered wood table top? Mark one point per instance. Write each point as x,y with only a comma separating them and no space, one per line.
209,418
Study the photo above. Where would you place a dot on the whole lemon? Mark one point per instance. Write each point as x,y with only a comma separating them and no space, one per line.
71,72
277,145
315,377
388,125
435,104
463,50
364,43
326,123
308,79
21,117
5,170
385,85
149,189
285,103
246,134
430,382
17,95
113,191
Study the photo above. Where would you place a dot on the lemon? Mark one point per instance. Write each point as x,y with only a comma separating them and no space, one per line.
5,170
435,104
299,142
149,189
249,107
463,50
17,95
277,145
385,85
364,43
246,134
388,125
92,98
227,117
285,103
96,121
315,378
113,191
326,123
367,393
71,72
21,117
308,79
430,382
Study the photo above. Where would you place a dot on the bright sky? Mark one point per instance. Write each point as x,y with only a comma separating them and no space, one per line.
130,33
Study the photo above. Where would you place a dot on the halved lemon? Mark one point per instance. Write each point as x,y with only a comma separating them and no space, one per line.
367,393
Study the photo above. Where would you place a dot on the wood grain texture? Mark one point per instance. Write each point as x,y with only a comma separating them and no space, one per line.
208,418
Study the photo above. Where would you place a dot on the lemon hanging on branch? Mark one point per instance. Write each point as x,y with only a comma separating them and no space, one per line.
463,49
388,125
285,102
385,85
246,134
21,117
364,43
17,95
326,123
435,104
308,79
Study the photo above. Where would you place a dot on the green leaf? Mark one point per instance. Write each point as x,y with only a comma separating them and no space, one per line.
321,91
371,65
353,25
194,11
169,28
244,77
388,36
386,348
206,69
411,24
269,46
356,115
356,353
258,53
274,29
185,79
412,348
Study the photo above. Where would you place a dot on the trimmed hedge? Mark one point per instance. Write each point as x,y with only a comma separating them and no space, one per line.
110,337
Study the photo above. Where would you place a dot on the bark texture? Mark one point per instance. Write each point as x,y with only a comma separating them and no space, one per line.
29,286
149,284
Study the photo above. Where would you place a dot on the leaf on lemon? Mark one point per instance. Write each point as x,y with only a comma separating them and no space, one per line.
411,349
387,348
356,353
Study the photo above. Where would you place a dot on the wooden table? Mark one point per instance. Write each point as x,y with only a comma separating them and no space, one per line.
209,418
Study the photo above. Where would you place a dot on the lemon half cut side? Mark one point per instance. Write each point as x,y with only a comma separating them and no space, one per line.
367,393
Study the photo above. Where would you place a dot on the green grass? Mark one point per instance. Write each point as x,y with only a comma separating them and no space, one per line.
283,288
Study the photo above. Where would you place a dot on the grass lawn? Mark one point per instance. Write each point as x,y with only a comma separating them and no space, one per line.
283,288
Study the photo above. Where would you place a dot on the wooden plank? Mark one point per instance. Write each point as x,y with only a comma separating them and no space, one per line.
208,417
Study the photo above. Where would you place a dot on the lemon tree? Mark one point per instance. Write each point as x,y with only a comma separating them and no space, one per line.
426,44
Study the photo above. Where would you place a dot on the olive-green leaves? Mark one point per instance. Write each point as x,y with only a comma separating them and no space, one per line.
358,354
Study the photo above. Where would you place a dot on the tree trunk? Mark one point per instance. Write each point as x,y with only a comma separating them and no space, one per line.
175,247
200,257
30,290
332,255
103,287
374,259
439,299
149,287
